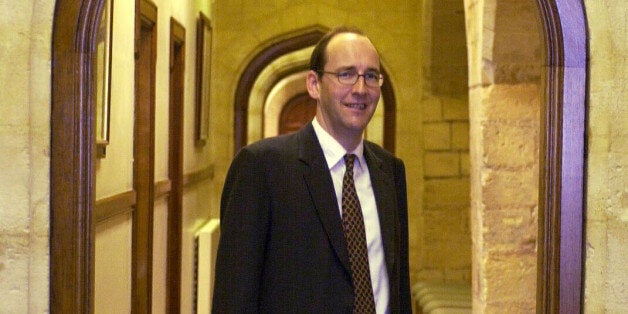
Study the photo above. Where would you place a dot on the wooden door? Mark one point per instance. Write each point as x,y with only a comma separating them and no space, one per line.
298,111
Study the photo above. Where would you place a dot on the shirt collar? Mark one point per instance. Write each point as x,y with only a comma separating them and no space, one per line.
333,151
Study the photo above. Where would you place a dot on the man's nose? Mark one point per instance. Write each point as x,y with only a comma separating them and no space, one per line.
360,86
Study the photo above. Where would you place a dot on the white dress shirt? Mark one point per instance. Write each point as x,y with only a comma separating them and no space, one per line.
334,154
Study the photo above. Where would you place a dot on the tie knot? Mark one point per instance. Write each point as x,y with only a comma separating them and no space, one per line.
349,159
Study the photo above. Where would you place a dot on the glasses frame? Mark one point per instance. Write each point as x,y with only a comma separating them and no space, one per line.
380,81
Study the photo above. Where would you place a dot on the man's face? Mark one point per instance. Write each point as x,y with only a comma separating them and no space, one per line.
345,110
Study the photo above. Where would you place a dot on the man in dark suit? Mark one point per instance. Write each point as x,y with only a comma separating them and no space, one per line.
289,243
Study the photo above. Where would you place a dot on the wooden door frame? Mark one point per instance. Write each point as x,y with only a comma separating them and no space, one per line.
144,156
560,264
73,147
175,167
281,46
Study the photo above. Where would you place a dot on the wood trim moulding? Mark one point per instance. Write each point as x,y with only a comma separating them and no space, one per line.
114,205
162,188
124,202
198,176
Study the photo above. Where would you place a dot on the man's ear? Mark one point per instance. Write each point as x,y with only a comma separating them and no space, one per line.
313,85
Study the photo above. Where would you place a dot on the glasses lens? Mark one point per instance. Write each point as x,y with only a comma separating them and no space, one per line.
347,77
371,79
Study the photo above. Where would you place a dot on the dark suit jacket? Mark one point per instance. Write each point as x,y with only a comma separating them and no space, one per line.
282,248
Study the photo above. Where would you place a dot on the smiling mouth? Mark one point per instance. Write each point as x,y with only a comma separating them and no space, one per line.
360,106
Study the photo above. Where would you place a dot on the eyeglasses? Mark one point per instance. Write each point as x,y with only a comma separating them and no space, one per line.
350,77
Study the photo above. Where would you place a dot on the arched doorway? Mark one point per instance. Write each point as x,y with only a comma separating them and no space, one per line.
72,152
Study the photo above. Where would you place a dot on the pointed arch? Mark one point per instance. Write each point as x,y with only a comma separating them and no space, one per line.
283,45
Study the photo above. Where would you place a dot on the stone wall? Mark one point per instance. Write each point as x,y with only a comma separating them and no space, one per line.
446,240
606,272
445,215
25,161
505,64
504,196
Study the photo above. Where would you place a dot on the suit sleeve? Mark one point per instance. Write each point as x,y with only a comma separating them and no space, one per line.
244,226
402,199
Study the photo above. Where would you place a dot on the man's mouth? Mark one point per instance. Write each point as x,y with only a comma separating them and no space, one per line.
360,106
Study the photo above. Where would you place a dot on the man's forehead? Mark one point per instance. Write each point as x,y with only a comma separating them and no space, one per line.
347,38
347,47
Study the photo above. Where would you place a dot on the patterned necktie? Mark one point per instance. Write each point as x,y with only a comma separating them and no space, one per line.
353,225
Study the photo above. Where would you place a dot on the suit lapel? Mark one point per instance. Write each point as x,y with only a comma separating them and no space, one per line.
384,190
321,189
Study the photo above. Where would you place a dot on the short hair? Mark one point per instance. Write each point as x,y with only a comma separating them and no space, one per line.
318,60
